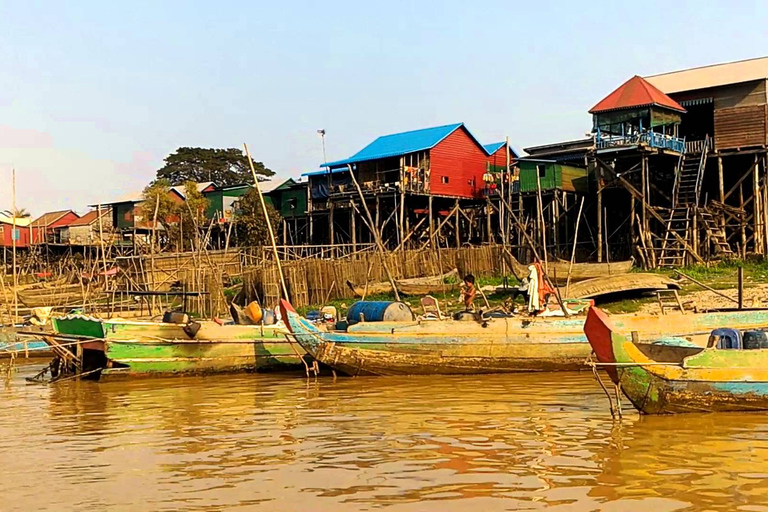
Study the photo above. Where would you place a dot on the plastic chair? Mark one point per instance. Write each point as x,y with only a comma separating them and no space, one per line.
431,307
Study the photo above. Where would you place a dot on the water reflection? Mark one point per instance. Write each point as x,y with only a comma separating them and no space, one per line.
280,442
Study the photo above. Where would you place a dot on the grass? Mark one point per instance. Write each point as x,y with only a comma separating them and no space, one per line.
720,276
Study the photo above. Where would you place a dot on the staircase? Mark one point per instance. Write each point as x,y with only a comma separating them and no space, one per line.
687,187
672,251
715,234
685,200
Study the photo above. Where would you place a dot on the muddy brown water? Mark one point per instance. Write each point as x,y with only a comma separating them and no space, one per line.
281,442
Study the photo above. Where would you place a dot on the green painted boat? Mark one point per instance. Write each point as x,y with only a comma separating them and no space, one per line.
138,348
659,378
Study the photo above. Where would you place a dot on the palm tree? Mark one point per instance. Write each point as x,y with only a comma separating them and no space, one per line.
22,213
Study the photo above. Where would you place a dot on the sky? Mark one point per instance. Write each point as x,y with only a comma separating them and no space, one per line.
94,94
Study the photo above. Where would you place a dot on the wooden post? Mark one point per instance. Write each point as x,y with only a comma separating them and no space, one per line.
721,186
757,208
505,188
764,191
13,245
742,223
644,180
379,243
269,224
556,221
573,251
543,228
740,277
331,230
353,225
488,210
431,224
458,235
600,214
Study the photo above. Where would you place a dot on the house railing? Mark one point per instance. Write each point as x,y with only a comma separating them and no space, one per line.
698,146
652,139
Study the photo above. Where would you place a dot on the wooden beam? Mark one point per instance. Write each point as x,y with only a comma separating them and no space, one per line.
738,183
632,190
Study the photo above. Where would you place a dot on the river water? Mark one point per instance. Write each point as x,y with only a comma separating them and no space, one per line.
282,442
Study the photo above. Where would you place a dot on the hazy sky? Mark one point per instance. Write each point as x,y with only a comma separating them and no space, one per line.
94,94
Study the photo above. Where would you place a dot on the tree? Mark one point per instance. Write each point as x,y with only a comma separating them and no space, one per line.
224,167
159,204
250,226
191,214
21,213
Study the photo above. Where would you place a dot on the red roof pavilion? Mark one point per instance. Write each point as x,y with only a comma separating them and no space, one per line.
634,93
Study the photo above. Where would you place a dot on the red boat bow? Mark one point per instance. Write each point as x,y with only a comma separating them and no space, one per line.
598,329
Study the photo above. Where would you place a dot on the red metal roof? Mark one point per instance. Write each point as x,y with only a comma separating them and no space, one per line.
635,92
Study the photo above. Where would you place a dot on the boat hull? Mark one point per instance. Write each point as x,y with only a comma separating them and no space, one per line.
144,349
706,380
450,347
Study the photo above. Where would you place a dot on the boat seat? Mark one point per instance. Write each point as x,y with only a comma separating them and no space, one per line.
726,339
431,307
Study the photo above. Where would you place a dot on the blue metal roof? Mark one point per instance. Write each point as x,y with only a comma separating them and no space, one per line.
492,148
399,144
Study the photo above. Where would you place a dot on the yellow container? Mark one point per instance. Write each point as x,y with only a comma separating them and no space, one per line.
253,311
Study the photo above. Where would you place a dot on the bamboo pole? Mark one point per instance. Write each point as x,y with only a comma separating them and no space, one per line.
573,251
269,224
543,228
376,235
13,243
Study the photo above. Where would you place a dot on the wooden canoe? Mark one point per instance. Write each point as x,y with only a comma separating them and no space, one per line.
607,285
663,379
500,345
136,348
558,269
413,286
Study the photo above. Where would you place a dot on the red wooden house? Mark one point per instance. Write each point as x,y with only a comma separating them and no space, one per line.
405,177
47,228
22,232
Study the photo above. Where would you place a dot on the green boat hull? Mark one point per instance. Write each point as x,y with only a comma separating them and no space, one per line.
145,349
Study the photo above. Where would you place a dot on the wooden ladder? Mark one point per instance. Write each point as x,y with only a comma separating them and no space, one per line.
716,234
669,299
672,251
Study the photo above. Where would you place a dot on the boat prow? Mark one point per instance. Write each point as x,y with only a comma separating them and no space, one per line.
599,331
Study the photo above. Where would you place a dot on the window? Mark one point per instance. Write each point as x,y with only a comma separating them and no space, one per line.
542,170
444,180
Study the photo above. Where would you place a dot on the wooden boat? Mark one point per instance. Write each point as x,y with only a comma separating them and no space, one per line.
663,379
444,283
496,345
558,269
21,345
137,348
637,282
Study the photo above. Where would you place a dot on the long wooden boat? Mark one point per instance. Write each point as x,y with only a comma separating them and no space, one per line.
558,269
664,379
444,283
498,345
138,348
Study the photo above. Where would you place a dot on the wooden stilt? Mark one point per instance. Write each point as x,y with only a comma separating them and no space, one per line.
331,224
757,219
600,214
488,211
431,224
458,234
353,225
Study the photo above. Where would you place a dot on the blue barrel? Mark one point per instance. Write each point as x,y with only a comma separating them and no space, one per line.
379,311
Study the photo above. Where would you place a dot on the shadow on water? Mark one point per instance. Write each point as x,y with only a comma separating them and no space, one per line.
282,442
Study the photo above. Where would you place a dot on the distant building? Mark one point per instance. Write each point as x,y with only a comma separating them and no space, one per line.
48,228
21,234
85,230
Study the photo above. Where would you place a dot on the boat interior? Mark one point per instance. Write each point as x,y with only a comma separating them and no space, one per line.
720,339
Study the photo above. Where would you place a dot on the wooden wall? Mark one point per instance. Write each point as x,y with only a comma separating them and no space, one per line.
741,127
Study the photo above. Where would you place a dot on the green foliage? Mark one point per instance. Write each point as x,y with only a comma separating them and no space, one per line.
250,225
181,220
224,167
157,198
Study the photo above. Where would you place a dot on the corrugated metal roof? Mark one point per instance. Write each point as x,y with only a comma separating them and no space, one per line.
49,218
324,171
635,92
398,144
715,75
492,148
91,217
